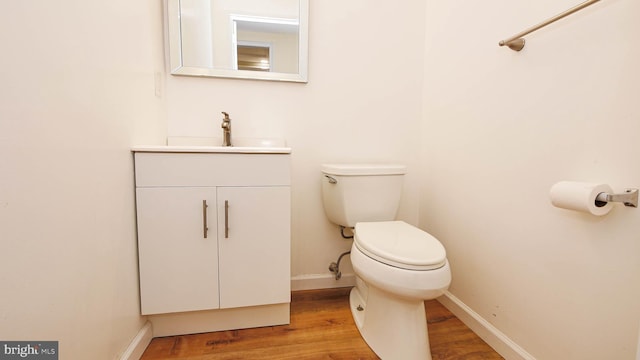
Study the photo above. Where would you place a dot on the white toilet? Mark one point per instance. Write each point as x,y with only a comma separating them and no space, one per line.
397,265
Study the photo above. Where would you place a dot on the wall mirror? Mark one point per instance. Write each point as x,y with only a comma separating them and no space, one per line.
246,39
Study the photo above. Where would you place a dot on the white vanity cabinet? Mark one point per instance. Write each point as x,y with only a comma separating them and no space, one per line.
213,234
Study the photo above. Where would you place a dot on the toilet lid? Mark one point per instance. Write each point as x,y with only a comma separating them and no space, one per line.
399,244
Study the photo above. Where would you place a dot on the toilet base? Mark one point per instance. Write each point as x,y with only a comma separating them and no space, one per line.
393,327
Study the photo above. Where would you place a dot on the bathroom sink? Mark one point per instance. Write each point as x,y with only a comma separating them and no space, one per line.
211,145
217,141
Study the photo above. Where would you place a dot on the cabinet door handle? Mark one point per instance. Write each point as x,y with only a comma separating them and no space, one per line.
226,219
205,229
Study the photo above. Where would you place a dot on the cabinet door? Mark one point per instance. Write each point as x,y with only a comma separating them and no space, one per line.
178,264
255,250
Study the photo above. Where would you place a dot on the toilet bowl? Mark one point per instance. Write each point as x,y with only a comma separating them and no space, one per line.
387,303
397,265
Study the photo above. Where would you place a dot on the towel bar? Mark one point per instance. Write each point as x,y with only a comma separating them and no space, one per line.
516,42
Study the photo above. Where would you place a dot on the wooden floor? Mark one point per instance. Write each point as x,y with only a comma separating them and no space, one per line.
321,328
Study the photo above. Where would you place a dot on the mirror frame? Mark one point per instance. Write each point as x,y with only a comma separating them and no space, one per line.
177,67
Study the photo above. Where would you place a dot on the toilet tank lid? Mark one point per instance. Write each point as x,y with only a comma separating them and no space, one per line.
364,169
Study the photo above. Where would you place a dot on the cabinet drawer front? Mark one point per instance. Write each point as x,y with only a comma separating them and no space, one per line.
195,169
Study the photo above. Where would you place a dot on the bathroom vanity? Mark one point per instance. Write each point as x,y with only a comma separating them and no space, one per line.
213,237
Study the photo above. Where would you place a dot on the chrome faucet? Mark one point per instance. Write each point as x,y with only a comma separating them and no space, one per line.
226,128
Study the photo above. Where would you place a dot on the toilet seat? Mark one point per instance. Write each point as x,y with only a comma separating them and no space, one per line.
399,244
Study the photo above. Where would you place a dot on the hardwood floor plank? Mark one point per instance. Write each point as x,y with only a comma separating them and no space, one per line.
321,328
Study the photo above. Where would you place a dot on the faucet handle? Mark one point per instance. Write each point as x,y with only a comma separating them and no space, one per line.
226,116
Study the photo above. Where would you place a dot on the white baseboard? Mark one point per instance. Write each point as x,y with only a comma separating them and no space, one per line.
139,343
321,281
487,332
638,351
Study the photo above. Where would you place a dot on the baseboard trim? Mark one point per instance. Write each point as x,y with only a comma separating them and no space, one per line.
487,332
321,281
139,343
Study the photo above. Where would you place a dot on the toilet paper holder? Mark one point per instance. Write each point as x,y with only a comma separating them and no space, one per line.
629,198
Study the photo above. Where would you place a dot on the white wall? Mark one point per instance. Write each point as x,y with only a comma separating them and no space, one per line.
362,103
76,91
500,129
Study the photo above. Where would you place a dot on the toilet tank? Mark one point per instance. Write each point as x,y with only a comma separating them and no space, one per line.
353,193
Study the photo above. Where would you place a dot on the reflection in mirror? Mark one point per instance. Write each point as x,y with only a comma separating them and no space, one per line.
254,57
250,39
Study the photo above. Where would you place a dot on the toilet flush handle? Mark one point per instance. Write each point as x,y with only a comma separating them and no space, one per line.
331,179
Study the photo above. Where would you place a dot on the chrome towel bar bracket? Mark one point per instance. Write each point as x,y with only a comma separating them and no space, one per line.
516,42
629,198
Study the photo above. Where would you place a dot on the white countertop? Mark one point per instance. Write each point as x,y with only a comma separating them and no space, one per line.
211,149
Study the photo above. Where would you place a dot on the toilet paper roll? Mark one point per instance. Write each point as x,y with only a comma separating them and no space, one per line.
580,196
